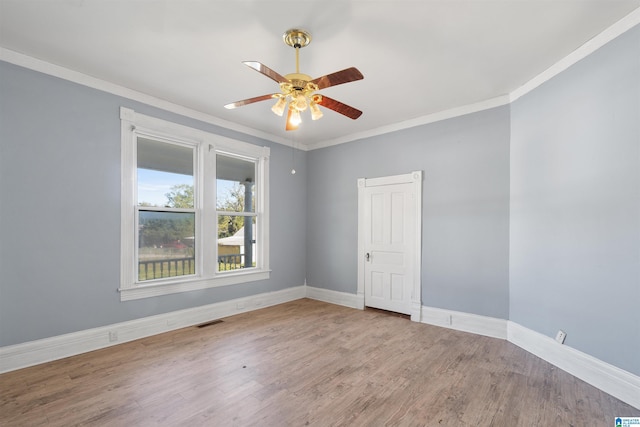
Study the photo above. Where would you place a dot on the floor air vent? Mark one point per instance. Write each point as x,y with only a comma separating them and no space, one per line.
213,322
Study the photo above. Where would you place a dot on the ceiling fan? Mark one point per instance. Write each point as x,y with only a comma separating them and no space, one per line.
299,90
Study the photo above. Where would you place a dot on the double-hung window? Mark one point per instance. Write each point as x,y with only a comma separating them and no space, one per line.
194,209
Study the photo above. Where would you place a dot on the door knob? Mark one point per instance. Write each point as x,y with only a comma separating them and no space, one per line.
366,257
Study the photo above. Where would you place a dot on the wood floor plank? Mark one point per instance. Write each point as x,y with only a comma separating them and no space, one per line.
305,363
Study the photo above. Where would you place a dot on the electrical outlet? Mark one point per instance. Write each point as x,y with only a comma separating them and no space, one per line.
113,336
560,336
240,305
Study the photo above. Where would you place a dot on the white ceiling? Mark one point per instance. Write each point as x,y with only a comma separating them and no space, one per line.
418,57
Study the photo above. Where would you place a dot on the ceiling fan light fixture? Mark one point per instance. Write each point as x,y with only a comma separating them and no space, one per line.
279,106
300,102
316,113
294,117
298,89
290,123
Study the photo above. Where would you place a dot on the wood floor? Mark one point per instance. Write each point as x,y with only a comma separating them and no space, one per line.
305,363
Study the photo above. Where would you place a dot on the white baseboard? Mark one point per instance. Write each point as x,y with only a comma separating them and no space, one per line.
45,350
336,297
466,322
608,378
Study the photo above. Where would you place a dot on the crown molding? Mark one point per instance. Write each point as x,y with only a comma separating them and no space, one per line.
54,70
418,121
615,30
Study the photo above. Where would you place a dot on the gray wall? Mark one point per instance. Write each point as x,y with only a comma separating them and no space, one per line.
60,211
531,212
575,205
465,241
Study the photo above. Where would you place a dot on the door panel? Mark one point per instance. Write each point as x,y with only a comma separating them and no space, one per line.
389,241
397,287
377,218
377,284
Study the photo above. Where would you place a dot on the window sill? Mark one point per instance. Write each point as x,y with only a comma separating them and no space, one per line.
190,284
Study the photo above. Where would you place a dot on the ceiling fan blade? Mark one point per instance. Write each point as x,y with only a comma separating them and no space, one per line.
263,69
338,78
339,107
250,101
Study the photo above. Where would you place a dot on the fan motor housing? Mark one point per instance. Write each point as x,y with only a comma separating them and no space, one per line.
298,80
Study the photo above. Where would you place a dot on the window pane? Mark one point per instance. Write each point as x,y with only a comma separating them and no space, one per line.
165,174
235,182
165,244
233,242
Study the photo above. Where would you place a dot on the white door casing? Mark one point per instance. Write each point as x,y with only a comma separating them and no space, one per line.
389,243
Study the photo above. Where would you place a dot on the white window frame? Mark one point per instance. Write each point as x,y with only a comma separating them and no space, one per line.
206,146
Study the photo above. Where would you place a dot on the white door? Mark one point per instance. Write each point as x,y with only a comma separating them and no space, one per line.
389,237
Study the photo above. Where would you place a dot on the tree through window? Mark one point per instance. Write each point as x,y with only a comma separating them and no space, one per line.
166,222
236,213
194,209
